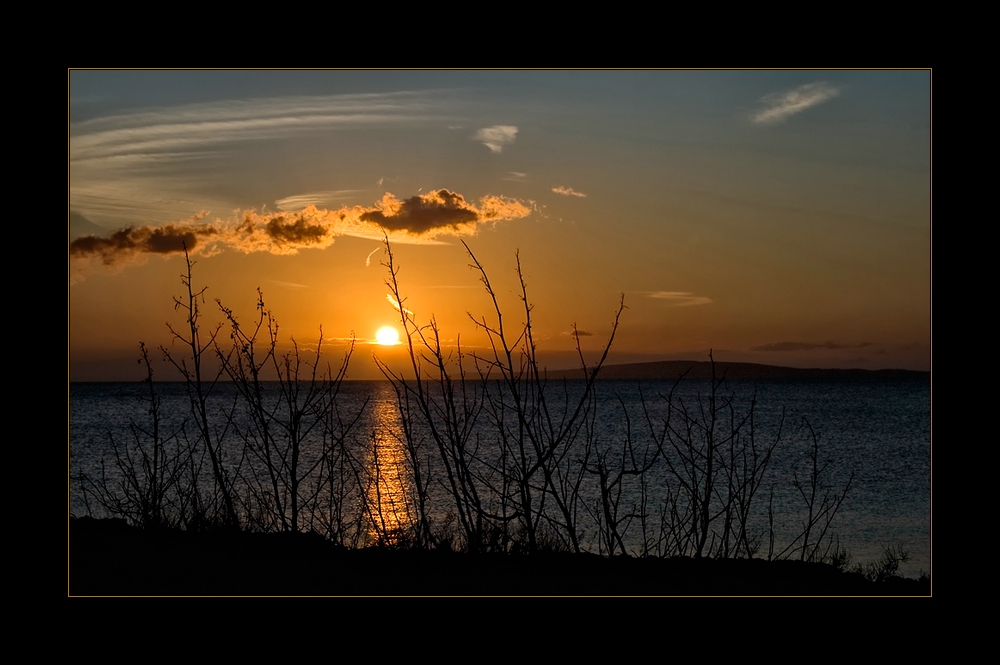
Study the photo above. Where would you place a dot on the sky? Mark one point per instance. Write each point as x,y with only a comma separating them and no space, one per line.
776,217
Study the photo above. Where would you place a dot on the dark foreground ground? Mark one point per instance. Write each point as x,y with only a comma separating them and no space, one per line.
108,558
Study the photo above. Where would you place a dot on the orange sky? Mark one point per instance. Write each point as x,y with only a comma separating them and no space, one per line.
776,217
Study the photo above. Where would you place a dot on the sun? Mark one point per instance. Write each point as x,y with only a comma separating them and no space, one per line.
387,336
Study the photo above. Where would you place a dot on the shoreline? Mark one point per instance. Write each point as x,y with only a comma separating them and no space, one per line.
107,557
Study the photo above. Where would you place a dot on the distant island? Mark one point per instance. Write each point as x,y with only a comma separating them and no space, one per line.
671,370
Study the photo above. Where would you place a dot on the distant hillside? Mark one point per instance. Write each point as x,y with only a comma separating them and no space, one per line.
672,369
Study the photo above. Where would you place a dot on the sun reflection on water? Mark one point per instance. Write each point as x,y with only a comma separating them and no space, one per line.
390,487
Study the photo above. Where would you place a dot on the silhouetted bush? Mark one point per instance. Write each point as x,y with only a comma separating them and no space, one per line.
518,457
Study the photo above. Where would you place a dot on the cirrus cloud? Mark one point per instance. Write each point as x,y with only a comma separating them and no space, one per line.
680,298
779,106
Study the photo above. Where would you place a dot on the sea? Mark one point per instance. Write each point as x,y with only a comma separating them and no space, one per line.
862,445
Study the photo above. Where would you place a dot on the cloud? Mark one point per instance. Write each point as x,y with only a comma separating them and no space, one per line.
196,126
396,305
152,166
302,201
779,106
422,213
368,259
418,219
168,239
290,285
496,137
806,346
577,333
568,191
680,298
516,176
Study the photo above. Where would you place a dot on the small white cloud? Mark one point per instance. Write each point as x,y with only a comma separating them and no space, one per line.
680,298
780,105
396,305
568,191
515,176
496,137
290,285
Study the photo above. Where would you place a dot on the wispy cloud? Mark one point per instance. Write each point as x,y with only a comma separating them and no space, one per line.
679,298
196,126
779,106
289,285
155,165
301,201
395,303
418,219
806,346
568,191
576,333
496,137
515,176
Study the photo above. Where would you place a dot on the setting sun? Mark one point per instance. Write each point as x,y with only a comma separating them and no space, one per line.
387,336
578,267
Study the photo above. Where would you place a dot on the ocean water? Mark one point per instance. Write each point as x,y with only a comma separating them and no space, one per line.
873,435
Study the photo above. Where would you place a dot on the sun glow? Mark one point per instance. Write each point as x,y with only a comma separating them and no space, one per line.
387,336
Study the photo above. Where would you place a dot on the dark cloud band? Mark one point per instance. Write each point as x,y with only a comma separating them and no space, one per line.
419,218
